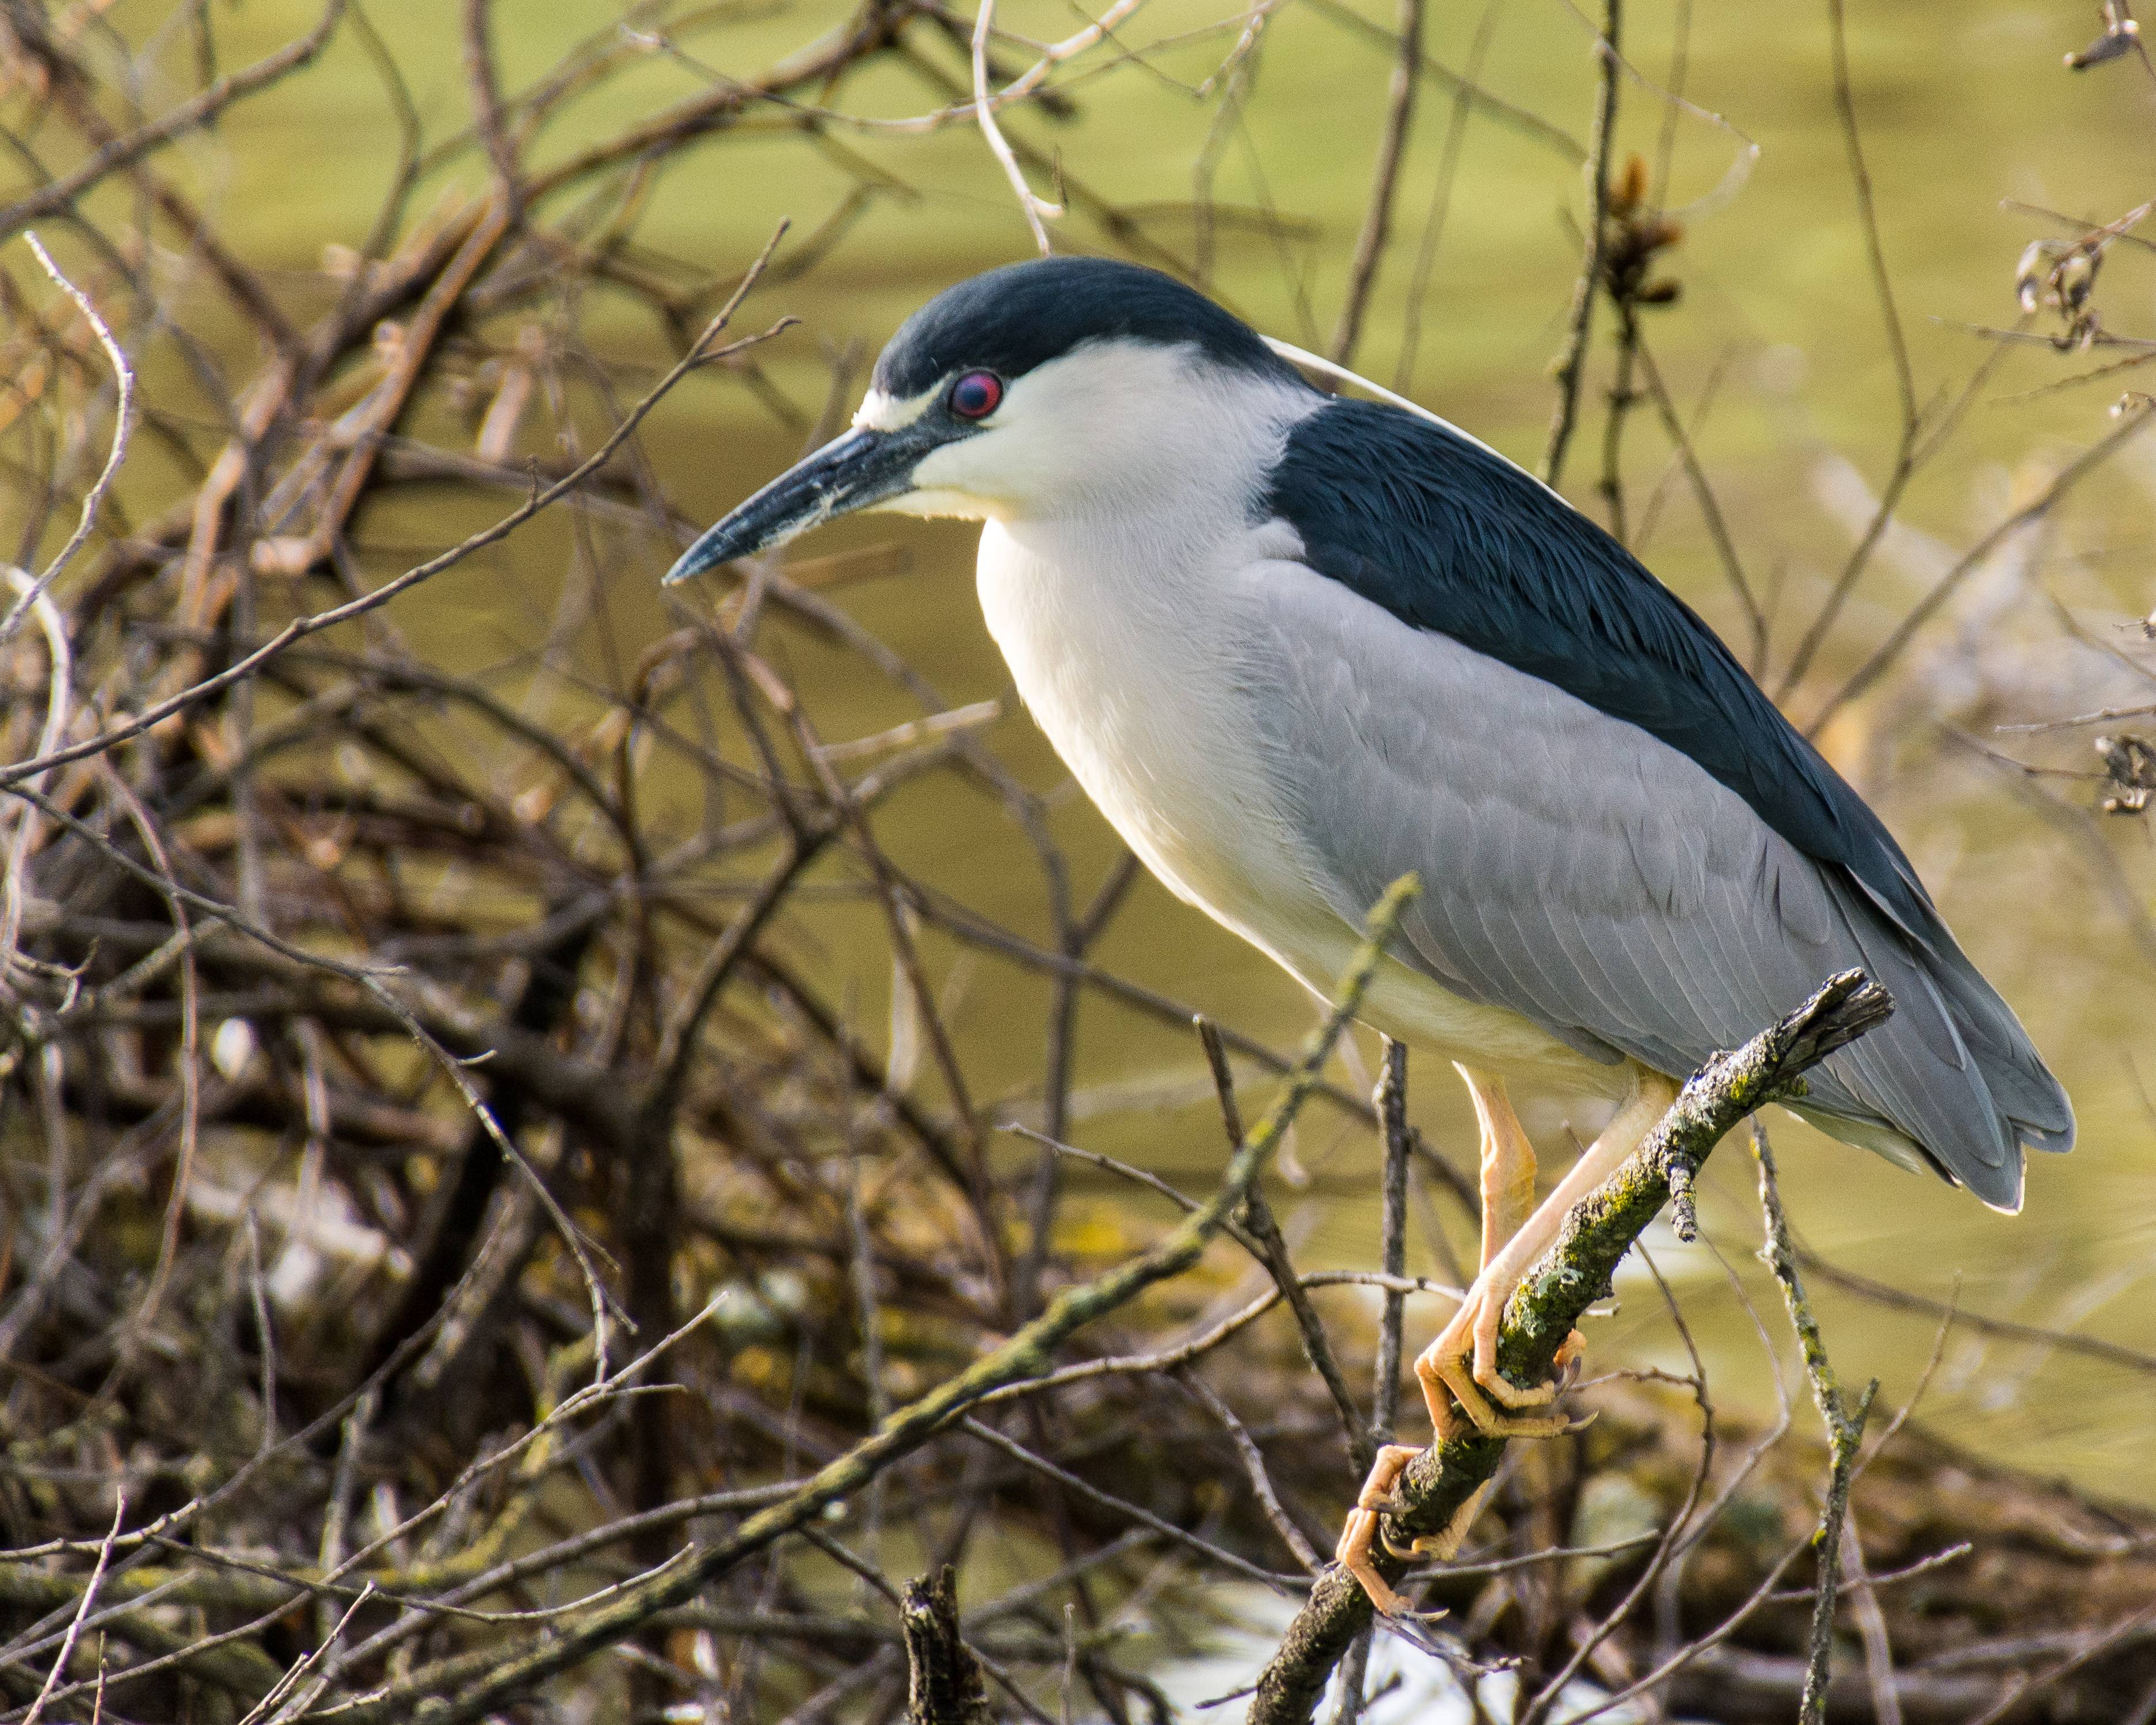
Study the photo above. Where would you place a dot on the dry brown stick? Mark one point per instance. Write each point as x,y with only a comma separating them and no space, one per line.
1845,1430
1669,1546
1916,446
1397,1136
415,345
1258,1217
469,1687
1702,489
1882,284
1131,234
1898,638
1070,1482
943,1680
1394,1133
1440,200
967,925
375,598
1254,1466
1524,120
1879,1293
1882,287
123,374
82,1610
877,26
897,900
486,108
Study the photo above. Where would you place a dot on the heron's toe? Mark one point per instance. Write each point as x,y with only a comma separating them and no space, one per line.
1510,1395
1355,1552
1458,1375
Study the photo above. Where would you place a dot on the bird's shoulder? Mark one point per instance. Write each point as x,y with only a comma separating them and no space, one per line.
1448,535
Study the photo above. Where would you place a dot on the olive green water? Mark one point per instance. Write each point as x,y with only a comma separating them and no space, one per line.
1962,107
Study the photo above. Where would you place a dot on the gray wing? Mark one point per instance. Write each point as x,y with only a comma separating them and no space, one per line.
1596,880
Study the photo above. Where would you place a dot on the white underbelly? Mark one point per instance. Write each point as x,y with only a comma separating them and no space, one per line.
1140,692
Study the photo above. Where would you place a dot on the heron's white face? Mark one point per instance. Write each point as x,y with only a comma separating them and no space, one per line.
1125,426
1119,433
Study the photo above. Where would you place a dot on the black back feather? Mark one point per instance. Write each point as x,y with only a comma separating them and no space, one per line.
1448,535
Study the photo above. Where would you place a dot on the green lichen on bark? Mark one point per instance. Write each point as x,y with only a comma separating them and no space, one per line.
1574,1273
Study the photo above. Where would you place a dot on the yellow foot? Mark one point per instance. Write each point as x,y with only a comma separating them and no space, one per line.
1365,1521
1459,1370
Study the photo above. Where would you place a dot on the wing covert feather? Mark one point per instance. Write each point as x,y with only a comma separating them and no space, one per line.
1583,874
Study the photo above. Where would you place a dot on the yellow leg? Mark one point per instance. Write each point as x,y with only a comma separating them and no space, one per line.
1508,1161
1457,1370
1463,1359
1508,1197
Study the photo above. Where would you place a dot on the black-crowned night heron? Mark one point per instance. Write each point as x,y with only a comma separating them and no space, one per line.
1295,645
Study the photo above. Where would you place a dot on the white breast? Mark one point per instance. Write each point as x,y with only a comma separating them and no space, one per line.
1138,674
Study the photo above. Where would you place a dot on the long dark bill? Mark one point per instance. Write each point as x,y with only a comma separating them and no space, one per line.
861,468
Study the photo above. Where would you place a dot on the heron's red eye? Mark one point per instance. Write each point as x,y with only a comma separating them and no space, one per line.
976,395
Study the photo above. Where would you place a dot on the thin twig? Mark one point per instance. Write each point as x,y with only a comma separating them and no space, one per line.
1031,207
123,425
1258,1217
1570,366
1378,216
81,1612
470,1687
1392,1105
1844,1423
373,600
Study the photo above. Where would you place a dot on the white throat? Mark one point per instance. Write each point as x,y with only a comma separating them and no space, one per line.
1120,593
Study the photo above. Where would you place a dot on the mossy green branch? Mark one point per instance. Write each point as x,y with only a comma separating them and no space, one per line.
471,1687
1574,1273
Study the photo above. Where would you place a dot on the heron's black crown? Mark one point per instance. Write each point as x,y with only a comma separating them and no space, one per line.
1012,318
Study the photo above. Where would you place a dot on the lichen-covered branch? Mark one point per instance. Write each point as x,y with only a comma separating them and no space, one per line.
1574,1273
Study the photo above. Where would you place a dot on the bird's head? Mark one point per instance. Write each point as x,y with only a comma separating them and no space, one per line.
1031,391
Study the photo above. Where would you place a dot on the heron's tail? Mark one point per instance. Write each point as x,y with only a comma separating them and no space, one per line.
1951,1075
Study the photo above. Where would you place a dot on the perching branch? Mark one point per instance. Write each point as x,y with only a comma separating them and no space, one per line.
1575,1272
